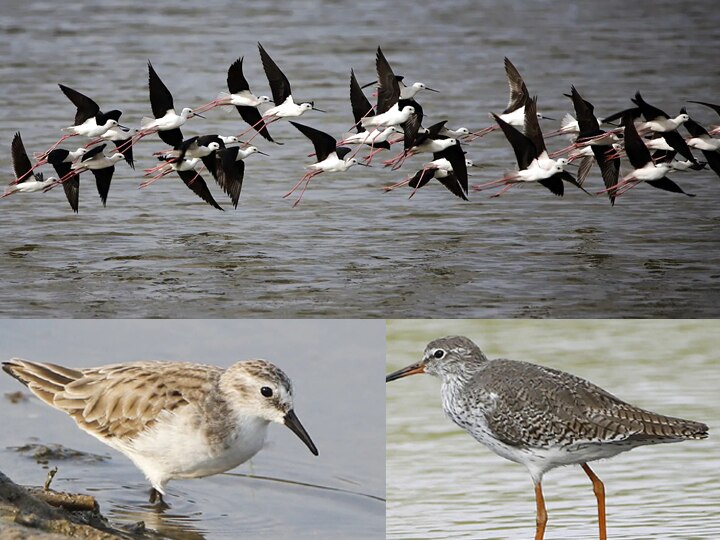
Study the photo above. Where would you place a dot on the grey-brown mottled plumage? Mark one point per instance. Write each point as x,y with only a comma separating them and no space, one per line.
541,417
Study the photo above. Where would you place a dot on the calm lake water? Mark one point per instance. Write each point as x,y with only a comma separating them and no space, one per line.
336,368
349,249
443,484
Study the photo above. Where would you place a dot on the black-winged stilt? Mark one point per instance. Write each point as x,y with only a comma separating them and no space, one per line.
165,122
534,163
285,106
100,165
449,167
644,168
330,157
242,99
21,164
514,113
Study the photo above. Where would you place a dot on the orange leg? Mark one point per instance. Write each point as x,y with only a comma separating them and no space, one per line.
541,516
599,490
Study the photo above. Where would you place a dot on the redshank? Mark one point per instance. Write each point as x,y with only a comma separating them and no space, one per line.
541,417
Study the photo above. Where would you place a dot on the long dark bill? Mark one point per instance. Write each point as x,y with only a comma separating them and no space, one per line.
413,369
291,421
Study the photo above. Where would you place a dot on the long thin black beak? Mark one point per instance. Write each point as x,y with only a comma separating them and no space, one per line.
123,127
368,84
548,118
263,153
198,114
318,110
291,421
432,89
363,164
412,369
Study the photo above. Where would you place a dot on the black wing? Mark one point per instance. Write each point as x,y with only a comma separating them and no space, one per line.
647,110
714,107
695,129
435,129
279,83
86,107
458,180
197,184
667,185
412,125
633,113
635,148
184,146
236,80
454,185
674,139
210,163
342,151
713,159
230,173
532,126
126,150
94,151
205,140
252,116
584,168
388,86
103,177
609,169
421,178
570,179
587,122
71,186
519,94
524,148
361,107
20,160
554,184
173,137
324,143
161,99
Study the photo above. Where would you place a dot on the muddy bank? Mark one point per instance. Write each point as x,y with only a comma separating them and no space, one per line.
25,516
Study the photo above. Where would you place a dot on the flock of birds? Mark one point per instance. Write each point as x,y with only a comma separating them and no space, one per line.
646,135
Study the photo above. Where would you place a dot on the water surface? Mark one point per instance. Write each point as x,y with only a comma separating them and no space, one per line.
349,249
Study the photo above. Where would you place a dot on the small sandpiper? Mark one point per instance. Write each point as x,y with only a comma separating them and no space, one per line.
541,417
172,419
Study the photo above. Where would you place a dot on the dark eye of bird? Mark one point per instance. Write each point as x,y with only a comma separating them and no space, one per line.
439,353
266,391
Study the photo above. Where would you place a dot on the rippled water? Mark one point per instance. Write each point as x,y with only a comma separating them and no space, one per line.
442,484
349,249
293,494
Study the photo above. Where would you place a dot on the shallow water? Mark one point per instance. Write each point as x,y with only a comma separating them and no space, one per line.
441,483
292,494
349,249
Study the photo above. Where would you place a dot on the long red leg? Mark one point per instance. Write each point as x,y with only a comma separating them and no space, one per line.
491,184
541,513
470,138
503,190
305,176
307,183
599,490
196,175
398,184
54,146
256,124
